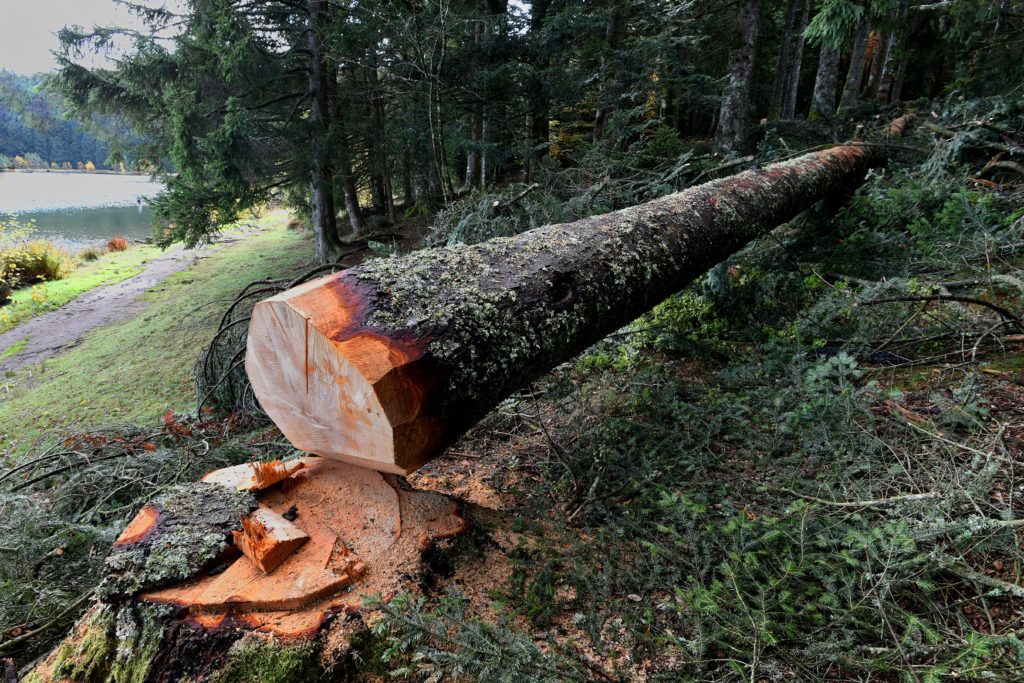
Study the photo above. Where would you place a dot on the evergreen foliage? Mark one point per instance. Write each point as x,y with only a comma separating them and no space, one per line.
32,128
371,109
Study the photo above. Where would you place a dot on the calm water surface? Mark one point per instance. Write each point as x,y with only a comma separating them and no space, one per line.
80,208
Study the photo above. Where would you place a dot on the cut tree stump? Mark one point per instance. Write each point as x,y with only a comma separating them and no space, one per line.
384,364
190,594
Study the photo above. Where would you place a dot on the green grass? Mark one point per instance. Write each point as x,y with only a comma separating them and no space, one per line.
134,371
107,270
13,348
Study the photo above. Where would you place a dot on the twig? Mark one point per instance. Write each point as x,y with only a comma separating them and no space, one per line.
498,204
1006,313
7,644
964,572
874,502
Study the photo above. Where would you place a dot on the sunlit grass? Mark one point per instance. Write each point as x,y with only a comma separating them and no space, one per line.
136,370
28,302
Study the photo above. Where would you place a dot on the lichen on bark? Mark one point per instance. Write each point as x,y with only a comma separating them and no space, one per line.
192,531
492,316
115,644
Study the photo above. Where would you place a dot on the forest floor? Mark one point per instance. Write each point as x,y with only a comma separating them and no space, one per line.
801,467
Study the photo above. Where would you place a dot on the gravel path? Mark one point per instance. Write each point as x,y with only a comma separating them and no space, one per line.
53,333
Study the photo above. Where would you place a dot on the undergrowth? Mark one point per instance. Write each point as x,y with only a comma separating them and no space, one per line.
802,467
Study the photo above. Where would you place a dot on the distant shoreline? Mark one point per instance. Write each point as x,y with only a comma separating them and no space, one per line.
73,170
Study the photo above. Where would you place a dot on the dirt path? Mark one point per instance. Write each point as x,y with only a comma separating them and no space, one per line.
55,332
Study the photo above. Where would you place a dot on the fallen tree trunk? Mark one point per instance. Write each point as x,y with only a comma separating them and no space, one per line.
386,363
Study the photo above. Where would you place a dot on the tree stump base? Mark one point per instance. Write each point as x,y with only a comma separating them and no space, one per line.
367,536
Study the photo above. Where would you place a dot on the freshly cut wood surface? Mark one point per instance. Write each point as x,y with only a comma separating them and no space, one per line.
254,476
268,539
386,363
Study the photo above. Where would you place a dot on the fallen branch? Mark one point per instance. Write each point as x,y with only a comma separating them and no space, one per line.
871,502
1004,312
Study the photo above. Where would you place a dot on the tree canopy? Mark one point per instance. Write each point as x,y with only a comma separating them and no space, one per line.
373,108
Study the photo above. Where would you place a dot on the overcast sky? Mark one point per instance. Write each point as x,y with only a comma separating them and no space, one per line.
28,28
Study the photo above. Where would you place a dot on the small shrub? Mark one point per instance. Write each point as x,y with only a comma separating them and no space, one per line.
117,244
89,254
32,262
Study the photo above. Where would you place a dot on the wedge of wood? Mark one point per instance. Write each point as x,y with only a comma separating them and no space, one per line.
268,539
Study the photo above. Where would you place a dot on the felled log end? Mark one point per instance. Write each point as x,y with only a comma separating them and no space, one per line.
310,356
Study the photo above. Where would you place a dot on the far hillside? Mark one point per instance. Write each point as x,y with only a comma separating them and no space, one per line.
35,133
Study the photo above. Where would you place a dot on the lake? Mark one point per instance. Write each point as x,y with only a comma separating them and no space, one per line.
80,208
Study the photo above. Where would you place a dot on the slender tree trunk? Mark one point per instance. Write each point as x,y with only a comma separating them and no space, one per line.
614,36
476,123
735,112
789,106
485,137
324,219
379,194
877,46
892,57
348,187
408,197
783,64
343,158
897,84
538,127
855,73
823,101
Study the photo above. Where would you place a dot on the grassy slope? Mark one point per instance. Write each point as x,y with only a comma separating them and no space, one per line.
107,270
136,370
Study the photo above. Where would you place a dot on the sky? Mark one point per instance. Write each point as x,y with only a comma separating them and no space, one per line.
28,28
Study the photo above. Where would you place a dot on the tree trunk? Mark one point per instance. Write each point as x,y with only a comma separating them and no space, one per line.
178,602
784,61
351,193
901,76
384,364
380,194
538,126
324,219
614,35
877,46
855,73
893,46
792,88
408,196
476,123
823,101
735,112
485,136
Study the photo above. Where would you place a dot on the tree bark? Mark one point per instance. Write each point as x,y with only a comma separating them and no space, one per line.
476,122
614,35
784,61
823,101
178,602
793,86
735,112
386,363
875,58
855,72
380,187
538,125
892,58
324,219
